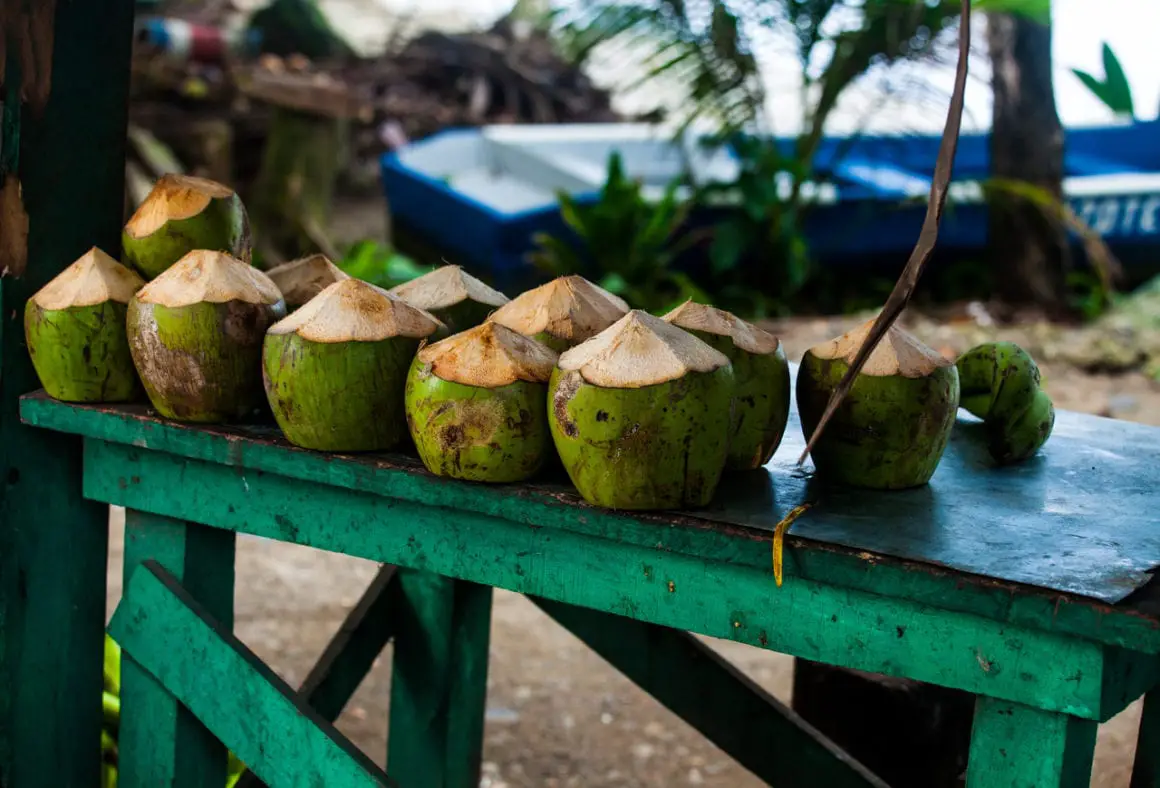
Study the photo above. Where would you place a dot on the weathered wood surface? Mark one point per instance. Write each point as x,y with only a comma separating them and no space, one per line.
66,158
161,627
712,596
706,691
556,509
160,742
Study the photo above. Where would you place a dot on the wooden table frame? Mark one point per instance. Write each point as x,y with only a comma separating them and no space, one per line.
1046,668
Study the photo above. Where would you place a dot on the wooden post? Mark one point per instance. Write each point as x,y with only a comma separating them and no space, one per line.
1013,746
63,162
161,742
439,682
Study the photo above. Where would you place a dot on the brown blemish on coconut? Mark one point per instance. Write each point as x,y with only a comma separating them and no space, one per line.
352,310
173,198
566,389
489,356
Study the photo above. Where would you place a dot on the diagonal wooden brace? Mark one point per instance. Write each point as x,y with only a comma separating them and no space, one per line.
347,659
230,690
709,693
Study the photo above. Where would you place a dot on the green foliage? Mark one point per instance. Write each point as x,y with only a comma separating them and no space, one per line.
627,242
1113,90
379,264
298,26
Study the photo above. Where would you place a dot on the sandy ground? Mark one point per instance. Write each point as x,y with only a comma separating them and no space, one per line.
557,714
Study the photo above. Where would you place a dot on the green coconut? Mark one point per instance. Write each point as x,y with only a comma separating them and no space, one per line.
563,313
196,336
761,380
300,280
183,213
476,405
892,428
75,330
640,415
1000,383
335,369
452,295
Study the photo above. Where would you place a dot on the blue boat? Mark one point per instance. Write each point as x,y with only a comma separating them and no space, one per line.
481,194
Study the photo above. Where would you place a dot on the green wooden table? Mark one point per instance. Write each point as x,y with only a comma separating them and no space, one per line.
1028,586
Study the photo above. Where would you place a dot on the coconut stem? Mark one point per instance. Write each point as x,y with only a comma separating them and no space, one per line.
904,288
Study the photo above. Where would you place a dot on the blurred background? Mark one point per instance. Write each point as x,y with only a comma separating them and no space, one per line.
771,157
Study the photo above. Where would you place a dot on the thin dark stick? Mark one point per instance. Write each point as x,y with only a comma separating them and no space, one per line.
904,288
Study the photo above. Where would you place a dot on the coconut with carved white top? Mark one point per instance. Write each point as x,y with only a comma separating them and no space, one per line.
335,369
452,295
640,415
181,214
302,279
562,313
761,380
476,405
196,336
75,330
892,428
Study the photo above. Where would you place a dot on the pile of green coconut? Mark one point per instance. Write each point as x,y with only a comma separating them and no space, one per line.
640,411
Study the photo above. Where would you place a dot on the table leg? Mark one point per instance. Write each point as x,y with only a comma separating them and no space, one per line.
1016,746
439,681
161,742
1146,768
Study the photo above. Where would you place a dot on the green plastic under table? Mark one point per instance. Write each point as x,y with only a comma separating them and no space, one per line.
1028,586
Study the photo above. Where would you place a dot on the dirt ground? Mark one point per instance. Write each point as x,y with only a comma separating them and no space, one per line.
557,714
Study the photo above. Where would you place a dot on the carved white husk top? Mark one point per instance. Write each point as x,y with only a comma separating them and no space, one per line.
174,197
489,356
202,276
93,279
710,319
899,353
569,307
445,286
356,311
640,350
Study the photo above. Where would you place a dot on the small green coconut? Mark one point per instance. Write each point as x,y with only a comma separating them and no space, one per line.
196,336
761,380
1000,383
335,370
452,295
300,280
563,313
183,213
477,405
640,415
892,428
75,330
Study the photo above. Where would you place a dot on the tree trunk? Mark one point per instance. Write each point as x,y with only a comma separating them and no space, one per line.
1029,247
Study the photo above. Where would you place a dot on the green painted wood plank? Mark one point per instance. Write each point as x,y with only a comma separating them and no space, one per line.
70,162
349,655
236,695
438,681
706,691
1019,605
1013,746
804,618
161,742
1146,767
